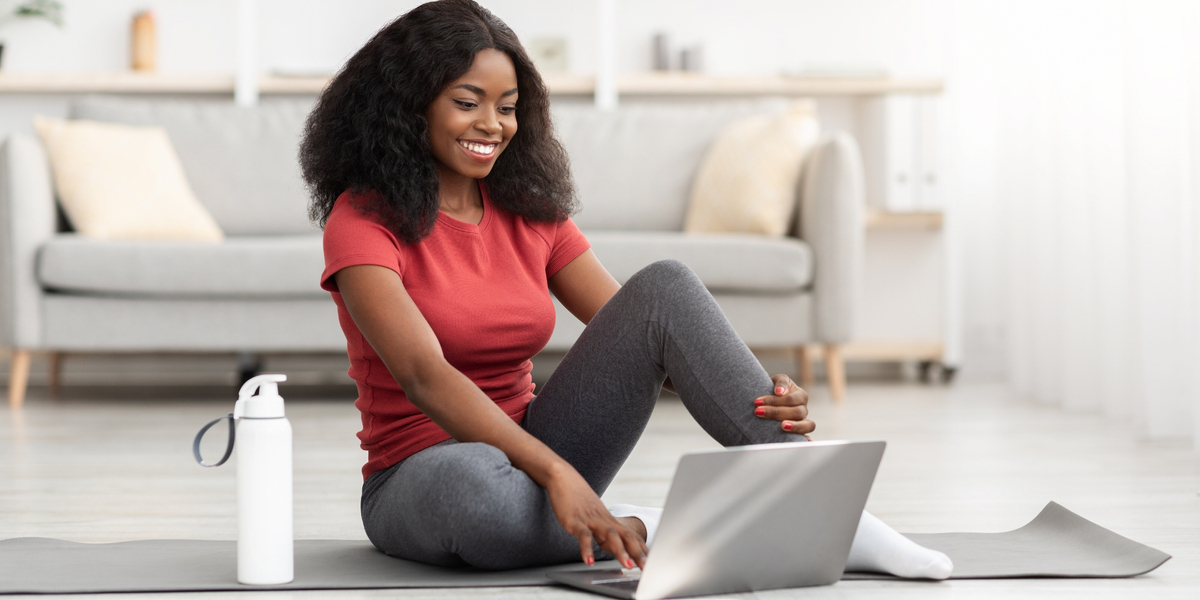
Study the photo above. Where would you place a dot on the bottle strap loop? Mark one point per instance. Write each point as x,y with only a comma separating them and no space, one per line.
228,446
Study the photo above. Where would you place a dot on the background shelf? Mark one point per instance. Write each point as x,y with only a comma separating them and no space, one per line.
671,84
878,219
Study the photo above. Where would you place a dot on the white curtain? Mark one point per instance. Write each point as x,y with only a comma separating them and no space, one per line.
1075,126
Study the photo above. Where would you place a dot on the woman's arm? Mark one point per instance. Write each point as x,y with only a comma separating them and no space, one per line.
584,286
398,332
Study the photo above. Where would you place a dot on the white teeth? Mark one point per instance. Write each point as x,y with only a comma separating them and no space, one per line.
478,148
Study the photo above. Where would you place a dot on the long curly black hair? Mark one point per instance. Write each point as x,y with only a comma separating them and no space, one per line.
368,132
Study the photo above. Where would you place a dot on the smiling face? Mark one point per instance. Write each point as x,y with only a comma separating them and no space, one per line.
475,116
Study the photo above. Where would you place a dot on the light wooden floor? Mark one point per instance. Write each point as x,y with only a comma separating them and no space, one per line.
107,464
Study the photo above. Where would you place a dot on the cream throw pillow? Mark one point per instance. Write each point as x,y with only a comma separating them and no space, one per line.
122,182
747,182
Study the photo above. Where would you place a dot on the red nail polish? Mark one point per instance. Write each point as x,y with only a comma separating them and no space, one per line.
760,411
590,561
779,391
759,402
787,426
628,563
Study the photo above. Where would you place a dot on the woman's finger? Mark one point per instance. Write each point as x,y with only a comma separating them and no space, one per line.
797,397
782,413
782,384
636,547
804,426
610,539
794,395
584,535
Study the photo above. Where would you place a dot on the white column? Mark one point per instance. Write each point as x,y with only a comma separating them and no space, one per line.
606,58
246,83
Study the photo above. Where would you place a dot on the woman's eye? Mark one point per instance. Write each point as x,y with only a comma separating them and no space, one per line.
507,110
465,104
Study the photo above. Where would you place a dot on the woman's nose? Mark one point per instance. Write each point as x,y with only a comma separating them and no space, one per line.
489,125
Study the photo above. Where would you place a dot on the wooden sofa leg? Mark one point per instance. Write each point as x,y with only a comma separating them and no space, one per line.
18,378
804,366
55,372
835,368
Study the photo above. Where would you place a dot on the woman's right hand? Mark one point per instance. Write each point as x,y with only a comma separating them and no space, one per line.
584,516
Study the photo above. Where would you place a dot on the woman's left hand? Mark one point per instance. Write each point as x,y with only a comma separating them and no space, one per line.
789,405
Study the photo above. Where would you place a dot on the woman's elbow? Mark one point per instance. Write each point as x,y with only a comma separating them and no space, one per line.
418,374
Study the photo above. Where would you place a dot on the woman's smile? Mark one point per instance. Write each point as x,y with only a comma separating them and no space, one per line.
482,151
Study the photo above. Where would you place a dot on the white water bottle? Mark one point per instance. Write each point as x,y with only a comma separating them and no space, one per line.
264,484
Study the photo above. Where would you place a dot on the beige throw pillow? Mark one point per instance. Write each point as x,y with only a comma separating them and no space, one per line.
122,182
747,182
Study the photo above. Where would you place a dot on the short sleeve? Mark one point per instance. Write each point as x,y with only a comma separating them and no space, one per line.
568,244
352,238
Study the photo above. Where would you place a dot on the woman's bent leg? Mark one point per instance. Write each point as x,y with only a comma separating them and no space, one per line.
463,504
662,323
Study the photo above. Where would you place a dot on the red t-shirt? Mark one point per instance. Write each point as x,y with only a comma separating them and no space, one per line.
483,290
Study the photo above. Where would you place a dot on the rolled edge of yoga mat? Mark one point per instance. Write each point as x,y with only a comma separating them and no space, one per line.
1057,543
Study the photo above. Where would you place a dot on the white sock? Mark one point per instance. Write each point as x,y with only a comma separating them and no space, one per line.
648,516
880,548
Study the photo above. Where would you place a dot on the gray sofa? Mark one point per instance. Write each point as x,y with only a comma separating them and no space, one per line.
258,291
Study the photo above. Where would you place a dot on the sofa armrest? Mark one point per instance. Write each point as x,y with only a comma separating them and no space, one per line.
27,220
831,221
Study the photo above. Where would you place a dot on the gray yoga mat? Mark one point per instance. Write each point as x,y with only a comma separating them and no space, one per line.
1057,543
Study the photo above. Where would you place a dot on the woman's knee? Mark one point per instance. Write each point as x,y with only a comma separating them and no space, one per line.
458,477
665,275
466,504
489,514
433,494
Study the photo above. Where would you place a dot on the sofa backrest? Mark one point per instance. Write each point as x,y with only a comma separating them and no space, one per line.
240,162
634,166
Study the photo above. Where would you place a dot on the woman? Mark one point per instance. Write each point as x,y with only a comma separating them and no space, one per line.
445,200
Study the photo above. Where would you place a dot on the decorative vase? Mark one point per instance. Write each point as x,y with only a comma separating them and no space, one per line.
143,52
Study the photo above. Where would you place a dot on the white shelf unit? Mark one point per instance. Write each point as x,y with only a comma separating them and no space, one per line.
909,309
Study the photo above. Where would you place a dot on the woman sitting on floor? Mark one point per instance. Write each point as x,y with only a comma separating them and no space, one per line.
445,200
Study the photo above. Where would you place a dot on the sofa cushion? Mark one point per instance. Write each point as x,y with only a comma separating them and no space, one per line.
634,167
747,182
239,267
123,182
241,162
725,262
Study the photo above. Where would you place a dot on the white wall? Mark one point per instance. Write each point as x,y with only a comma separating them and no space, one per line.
744,37
194,36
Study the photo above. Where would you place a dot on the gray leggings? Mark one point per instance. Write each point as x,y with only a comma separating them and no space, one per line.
460,504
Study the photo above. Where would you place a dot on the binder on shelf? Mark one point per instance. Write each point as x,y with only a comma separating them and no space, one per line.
902,162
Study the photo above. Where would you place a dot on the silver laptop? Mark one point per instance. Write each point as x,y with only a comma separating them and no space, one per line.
750,518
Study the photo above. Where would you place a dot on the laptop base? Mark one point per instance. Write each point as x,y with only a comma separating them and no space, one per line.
617,583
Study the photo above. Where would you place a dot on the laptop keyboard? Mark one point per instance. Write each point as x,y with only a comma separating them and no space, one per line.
629,585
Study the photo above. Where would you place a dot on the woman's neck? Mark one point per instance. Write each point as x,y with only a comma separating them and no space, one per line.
459,197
